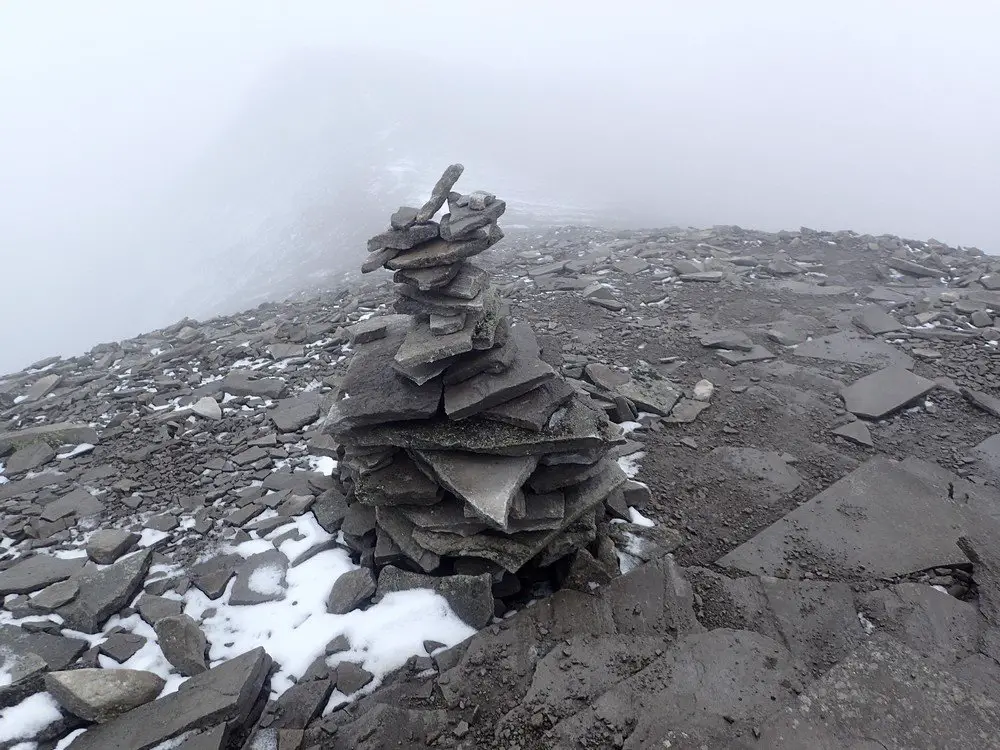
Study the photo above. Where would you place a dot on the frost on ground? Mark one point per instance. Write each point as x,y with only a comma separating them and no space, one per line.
631,464
28,718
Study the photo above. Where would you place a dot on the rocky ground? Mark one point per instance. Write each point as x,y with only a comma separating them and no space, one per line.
822,571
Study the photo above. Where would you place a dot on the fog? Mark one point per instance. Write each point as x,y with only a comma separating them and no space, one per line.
162,159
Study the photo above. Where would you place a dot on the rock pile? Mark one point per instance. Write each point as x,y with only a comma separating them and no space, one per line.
463,452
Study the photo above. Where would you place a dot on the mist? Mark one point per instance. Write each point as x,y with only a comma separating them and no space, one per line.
164,159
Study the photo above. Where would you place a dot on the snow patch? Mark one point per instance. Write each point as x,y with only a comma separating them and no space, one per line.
323,464
631,464
81,448
638,519
29,717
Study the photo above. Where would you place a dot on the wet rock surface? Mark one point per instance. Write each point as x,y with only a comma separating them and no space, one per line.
807,560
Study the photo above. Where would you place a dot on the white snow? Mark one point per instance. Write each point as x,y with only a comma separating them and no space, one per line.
66,741
638,519
323,464
867,625
149,537
81,448
630,463
29,717
266,580
295,630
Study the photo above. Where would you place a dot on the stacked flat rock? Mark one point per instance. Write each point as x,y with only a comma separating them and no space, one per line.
461,450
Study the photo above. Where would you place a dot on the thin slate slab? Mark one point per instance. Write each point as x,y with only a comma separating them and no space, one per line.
428,279
56,651
104,592
884,519
78,502
487,483
884,392
440,253
260,578
849,347
376,392
467,283
533,410
756,354
421,346
576,428
857,432
439,193
873,319
61,433
399,483
37,572
403,239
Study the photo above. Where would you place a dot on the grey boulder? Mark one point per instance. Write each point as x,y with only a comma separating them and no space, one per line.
102,694
183,644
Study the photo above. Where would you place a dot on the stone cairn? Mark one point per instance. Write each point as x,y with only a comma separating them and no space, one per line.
462,452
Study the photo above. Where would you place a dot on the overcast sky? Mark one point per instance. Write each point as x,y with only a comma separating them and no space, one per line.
868,115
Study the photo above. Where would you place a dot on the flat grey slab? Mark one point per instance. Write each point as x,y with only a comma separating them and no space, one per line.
422,346
852,348
884,392
533,410
376,392
78,502
56,651
292,414
428,279
440,253
37,572
246,383
875,320
886,695
487,483
54,434
577,428
988,453
756,354
727,340
104,592
486,390
884,519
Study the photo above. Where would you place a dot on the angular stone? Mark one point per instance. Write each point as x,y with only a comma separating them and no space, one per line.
399,483
79,502
378,259
350,591
464,221
376,393
442,325
703,276
29,457
492,360
226,694
400,529
856,432
351,677
541,513
182,643
873,319
404,218
56,651
104,592
428,279
42,387
578,427
244,383
422,346
756,354
261,578
291,415
302,703
653,396
735,340
103,694
470,597
851,348
285,351
212,575
207,407
533,410
152,608
54,596
412,301
107,545
37,572
122,646
61,433
441,253
467,284
403,239
914,269
604,377
450,515
487,483
884,392
484,391
439,193
366,331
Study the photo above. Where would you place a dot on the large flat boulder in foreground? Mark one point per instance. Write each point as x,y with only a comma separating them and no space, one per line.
884,519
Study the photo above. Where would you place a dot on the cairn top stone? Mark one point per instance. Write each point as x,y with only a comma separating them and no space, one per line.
439,194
